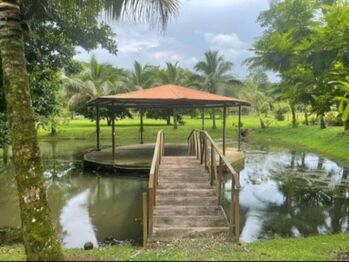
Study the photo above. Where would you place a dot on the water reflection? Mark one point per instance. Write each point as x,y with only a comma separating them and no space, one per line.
76,222
291,194
283,193
85,207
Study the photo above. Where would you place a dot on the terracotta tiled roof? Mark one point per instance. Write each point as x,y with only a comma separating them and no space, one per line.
171,94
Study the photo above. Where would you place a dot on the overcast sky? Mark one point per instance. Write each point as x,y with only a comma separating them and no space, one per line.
226,25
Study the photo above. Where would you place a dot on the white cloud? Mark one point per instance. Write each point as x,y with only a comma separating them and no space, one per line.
167,56
229,45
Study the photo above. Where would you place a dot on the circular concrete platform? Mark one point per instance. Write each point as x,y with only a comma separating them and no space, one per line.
137,158
131,158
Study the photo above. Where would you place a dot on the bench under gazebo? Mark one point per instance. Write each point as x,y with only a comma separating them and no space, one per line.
170,97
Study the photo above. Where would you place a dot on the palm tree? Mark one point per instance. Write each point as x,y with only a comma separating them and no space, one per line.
94,80
39,238
215,71
141,77
173,74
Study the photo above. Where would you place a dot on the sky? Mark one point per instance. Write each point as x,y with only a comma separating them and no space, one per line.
226,25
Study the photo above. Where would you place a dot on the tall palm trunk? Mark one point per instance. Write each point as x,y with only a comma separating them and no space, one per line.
306,121
346,125
322,121
214,118
294,119
39,238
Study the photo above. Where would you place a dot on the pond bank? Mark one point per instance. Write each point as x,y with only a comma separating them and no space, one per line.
331,247
330,142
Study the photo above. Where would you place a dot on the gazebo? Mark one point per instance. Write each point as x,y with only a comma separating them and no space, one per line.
164,97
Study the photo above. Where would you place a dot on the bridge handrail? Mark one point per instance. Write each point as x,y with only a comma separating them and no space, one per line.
149,198
198,142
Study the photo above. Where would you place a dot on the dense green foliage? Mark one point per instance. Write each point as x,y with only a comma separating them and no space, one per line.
306,43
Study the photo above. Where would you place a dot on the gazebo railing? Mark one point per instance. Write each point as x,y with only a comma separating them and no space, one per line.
149,198
201,145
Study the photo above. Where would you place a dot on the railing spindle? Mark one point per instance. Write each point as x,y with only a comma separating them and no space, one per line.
198,142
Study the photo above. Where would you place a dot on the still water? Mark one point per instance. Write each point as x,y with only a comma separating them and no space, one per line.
283,193
287,193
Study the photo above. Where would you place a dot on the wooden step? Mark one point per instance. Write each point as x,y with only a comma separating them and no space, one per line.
184,185
186,201
184,179
184,192
189,221
183,210
187,232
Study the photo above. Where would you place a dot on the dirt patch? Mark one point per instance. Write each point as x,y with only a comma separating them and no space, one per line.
10,236
342,255
82,258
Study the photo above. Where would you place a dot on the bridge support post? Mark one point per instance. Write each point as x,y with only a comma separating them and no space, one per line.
224,129
97,129
142,125
203,119
113,134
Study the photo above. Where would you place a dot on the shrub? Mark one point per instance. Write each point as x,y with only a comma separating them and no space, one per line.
333,118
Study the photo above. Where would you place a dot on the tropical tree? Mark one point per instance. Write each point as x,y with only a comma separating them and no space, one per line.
141,77
215,72
259,100
344,102
96,79
39,239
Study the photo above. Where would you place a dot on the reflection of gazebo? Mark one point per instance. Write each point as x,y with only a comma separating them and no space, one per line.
165,97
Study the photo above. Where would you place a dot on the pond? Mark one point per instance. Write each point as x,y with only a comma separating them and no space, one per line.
287,193
283,193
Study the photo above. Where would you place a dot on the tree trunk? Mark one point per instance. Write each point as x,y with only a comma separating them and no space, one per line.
39,238
294,120
174,119
346,125
306,121
322,122
53,131
214,118
5,150
168,118
262,123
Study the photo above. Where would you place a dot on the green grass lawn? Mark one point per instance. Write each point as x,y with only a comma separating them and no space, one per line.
329,247
330,142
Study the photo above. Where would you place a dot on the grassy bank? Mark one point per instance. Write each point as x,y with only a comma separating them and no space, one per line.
330,142
330,247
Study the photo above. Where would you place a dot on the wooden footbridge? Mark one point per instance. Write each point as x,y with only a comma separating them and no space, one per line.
184,198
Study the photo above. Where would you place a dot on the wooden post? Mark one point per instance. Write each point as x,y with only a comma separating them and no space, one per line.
142,125
97,129
174,118
206,152
145,219
151,210
197,135
224,129
237,215
239,130
202,149
213,164
234,213
203,119
113,135
219,182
